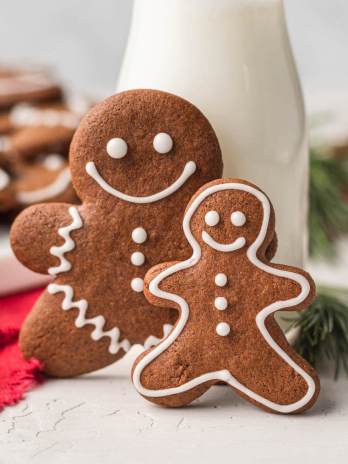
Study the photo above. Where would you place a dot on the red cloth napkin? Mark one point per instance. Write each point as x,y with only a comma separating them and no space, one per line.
16,374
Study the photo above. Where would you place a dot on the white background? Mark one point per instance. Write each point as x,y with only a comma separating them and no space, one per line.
85,39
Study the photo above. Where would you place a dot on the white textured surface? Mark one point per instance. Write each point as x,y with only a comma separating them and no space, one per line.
99,418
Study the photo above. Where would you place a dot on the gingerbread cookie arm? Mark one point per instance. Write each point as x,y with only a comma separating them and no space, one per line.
167,285
40,236
301,287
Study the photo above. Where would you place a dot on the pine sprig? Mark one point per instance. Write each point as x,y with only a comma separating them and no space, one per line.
328,214
323,330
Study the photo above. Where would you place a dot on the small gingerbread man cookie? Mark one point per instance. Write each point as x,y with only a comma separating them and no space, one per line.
135,160
227,293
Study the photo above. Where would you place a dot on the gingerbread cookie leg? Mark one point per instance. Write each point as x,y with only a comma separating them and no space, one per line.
169,379
278,381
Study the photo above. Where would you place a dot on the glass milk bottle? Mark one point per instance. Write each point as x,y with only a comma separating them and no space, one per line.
233,59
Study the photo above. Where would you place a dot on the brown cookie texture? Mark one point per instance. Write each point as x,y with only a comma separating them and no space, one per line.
227,293
6,125
136,160
26,85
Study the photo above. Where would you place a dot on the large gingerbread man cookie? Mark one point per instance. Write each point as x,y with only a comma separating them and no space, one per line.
135,161
227,293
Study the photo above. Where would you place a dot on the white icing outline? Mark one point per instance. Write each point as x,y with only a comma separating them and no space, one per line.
225,375
68,245
58,186
153,341
189,169
226,248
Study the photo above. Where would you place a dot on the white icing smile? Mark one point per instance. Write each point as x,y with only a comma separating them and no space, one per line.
189,169
236,245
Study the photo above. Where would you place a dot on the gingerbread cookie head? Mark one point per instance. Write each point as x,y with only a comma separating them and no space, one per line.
142,146
246,219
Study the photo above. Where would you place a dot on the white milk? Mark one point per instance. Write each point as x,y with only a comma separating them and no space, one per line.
232,58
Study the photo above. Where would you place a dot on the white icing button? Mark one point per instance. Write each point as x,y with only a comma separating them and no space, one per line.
221,280
238,219
137,284
220,303
116,148
212,218
163,143
137,258
139,235
223,329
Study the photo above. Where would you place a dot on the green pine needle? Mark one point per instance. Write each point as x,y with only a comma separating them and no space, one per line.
328,215
323,332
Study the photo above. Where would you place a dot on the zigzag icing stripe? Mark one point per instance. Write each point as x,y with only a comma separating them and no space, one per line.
68,245
82,305
81,320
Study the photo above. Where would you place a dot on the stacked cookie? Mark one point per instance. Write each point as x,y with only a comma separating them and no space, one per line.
37,123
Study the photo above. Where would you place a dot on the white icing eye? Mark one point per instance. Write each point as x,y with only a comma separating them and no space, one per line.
163,143
212,218
116,148
223,329
238,219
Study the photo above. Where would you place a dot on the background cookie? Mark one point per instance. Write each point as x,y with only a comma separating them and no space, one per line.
136,159
227,293
36,148
26,85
